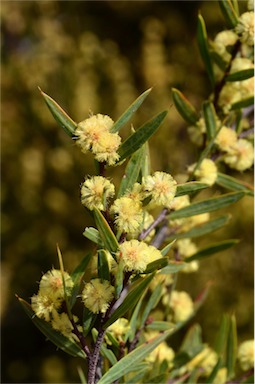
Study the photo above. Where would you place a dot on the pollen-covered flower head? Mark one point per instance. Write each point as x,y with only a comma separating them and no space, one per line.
206,172
222,41
160,187
162,353
97,295
242,155
136,255
119,328
51,284
226,139
245,28
245,355
128,214
181,304
94,134
146,222
95,192
187,248
44,306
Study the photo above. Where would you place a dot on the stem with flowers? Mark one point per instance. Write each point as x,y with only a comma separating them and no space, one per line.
145,228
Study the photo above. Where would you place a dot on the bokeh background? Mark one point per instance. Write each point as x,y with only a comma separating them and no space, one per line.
96,56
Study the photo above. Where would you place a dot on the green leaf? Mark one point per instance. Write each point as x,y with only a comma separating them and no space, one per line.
172,267
107,235
243,103
204,48
59,115
89,319
231,348
137,139
119,278
192,343
133,320
214,372
77,275
184,107
127,115
103,265
130,300
240,75
131,172
81,375
229,13
190,187
93,235
62,342
234,184
167,248
221,339
160,326
108,354
208,205
210,118
138,376
126,364
212,249
151,303
156,264
203,229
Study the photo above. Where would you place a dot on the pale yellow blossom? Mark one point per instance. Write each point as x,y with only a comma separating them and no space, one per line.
51,284
128,214
242,155
206,172
245,355
160,187
95,192
181,304
226,139
97,295
245,28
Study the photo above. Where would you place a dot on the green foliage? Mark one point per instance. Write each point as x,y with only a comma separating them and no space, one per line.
126,287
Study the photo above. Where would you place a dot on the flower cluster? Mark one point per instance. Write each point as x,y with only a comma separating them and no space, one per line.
206,172
93,134
96,191
246,355
136,255
180,303
97,294
47,303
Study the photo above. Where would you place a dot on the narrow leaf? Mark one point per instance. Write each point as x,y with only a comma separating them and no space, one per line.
62,342
127,115
126,364
228,12
119,278
81,375
210,118
172,267
184,107
93,235
167,248
204,48
160,326
134,320
212,249
137,139
108,354
103,265
156,264
240,75
89,319
190,187
221,339
131,172
130,300
243,103
234,184
59,115
203,229
107,235
231,348
208,205
214,372
77,275
151,303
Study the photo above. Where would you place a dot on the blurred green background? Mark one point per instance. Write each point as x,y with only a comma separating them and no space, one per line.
96,56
